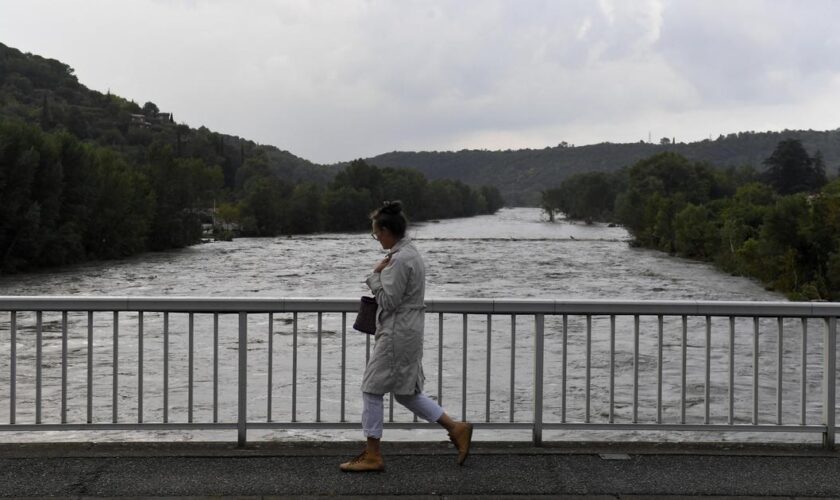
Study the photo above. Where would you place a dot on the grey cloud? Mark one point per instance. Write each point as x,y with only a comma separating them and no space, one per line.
750,51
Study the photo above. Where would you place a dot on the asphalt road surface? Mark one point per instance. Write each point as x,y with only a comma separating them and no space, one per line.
416,470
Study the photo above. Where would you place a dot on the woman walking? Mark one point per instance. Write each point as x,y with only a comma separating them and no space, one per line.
398,282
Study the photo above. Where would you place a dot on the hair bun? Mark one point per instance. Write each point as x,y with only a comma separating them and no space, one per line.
391,207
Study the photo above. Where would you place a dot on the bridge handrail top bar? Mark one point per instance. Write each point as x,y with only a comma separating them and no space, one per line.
434,305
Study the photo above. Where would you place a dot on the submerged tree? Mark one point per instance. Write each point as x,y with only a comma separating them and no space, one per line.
550,202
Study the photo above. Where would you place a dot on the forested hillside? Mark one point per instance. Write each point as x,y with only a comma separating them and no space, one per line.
520,175
86,175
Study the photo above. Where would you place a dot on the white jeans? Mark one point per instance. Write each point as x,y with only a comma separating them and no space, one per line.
372,413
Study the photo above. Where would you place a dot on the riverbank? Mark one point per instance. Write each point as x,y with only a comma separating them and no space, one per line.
778,229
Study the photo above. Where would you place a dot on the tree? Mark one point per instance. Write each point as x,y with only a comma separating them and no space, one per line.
790,169
359,175
589,196
406,185
493,198
46,115
150,109
551,201
305,210
264,207
346,208
695,235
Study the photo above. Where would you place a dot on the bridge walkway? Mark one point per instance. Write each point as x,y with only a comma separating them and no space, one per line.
419,470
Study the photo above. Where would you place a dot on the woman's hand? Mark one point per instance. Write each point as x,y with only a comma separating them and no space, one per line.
382,264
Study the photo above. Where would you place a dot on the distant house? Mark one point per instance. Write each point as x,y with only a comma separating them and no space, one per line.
143,121
139,120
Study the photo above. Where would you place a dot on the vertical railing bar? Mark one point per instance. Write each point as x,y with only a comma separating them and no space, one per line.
707,384
829,381
588,365
242,382
660,331
464,372
270,381
165,367
64,367
755,371
215,367
683,348
38,349
190,366
440,359
563,379
391,407
779,370
90,367
635,368
140,367
116,365
731,405
318,370
343,361
294,364
539,357
487,390
803,399
12,366
512,366
612,369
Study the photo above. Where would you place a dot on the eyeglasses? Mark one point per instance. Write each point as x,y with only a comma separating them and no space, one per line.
374,236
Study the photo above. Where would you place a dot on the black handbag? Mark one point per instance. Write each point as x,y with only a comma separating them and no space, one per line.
366,319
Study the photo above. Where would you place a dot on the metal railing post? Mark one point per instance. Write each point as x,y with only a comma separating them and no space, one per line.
12,367
242,413
829,374
539,344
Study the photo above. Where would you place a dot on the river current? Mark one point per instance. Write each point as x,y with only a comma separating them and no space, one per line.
515,253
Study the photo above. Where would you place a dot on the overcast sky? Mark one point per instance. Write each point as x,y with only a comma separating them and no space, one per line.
337,80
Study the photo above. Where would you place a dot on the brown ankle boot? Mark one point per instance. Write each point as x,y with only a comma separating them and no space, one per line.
461,437
365,462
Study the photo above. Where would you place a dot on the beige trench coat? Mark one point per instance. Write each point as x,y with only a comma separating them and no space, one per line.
396,364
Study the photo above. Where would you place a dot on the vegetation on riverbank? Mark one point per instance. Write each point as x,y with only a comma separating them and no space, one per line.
781,226
86,175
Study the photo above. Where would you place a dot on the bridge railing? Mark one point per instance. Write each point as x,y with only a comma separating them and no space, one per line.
193,364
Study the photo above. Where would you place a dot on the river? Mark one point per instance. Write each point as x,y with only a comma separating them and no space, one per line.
515,253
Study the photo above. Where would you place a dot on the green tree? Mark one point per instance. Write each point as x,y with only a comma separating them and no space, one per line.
589,196
305,210
121,214
493,198
791,170
408,186
696,235
361,176
263,206
346,208
150,109
741,219
551,201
